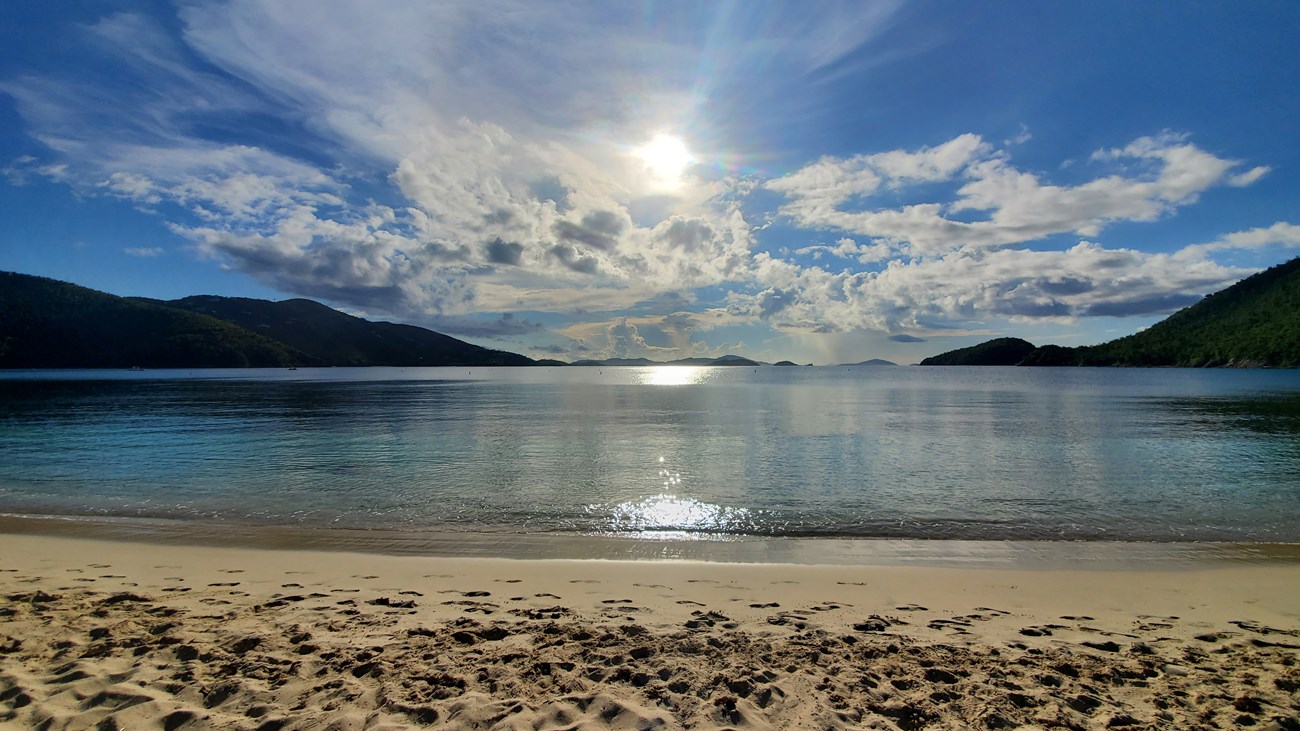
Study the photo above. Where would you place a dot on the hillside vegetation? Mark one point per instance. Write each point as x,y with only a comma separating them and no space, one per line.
1253,323
45,323
1002,351
336,338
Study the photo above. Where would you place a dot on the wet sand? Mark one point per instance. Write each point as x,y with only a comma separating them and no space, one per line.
98,634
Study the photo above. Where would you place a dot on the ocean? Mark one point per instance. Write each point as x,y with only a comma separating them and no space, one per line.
710,454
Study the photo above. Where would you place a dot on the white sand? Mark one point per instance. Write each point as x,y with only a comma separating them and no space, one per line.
102,635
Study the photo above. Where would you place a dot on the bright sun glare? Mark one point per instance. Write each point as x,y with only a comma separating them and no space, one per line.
666,156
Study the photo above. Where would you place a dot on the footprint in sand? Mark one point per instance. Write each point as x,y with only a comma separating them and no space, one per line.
476,593
507,581
688,601
1251,625
584,581
615,601
911,608
228,583
232,571
851,583
955,625
652,586
547,594
764,606
484,608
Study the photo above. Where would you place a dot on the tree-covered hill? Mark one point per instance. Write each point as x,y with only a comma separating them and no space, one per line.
336,338
45,323
1002,351
1253,323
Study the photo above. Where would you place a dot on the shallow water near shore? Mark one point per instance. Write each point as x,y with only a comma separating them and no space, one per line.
666,455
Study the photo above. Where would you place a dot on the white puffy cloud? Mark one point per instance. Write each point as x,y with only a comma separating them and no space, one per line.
1281,234
1249,177
820,188
847,248
967,286
1018,205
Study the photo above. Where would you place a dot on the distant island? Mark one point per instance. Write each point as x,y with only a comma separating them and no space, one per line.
872,362
1255,323
725,360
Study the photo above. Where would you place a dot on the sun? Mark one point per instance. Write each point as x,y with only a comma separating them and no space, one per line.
666,157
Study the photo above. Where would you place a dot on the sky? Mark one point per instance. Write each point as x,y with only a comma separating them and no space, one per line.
819,182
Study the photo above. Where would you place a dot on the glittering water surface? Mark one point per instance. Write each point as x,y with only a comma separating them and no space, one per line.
967,453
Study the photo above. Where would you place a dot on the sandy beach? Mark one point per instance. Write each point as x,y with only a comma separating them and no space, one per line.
99,634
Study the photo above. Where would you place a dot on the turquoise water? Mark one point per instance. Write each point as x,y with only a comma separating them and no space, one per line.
952,453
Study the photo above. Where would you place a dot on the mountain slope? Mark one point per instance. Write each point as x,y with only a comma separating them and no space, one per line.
1002,351
339,339
1253,323
45,323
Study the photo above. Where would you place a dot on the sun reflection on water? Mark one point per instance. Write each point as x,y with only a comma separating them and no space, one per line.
669,512
672,375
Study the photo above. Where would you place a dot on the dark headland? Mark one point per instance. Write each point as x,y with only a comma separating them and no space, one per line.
1255,323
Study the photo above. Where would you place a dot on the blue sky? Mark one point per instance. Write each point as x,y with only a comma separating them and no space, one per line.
822,183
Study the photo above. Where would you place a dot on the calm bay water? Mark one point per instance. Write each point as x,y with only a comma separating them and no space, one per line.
953,453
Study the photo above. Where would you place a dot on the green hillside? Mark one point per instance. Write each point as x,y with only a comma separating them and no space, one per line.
45,323
1253,323
339,339
1002,351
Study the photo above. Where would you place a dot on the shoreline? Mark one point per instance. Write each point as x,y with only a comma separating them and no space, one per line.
121,634
1040,554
